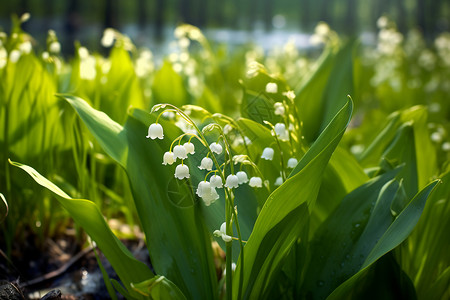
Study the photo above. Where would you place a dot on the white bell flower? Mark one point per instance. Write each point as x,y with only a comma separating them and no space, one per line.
182,171
216,181
281,131
207,192
278,181
271,88
216,148
179,152
279,109
55,47
292,162
155,130
268,153
242,176
204,187
255,182
206,164
227,128
168,158
232,181
190,148
223,233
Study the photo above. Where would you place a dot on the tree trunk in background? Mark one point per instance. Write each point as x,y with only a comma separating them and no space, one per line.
401,16
110,17
159,18
23,8
305,13
325,12
202,13
252,10
379,8
49,13
421,16
268,14
71,26
185,11
238,9
218,13
350,21
142,14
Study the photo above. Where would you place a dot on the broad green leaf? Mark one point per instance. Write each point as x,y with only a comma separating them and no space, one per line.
342,175
158,288
323,94
333,247
86,214
424,254
178,241
285,214
168,86
395,234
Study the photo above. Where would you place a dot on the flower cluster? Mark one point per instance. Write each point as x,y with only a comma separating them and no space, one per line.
206,190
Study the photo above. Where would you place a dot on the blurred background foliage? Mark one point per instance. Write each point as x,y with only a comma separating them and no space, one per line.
152,21
399,78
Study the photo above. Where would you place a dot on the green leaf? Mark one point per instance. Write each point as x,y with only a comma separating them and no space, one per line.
158,288
168,86
396,233
285,214
333,254
323,93
86,214
178,241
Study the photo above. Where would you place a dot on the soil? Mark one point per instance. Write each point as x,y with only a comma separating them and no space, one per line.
58,269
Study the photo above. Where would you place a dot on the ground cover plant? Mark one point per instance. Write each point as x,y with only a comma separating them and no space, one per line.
252,175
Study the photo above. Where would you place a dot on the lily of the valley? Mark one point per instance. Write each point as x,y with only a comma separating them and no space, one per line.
155,130
232,181
179,152
168,158
190,148
223,233
292,162
279,108
271,88
268,153
242,177
206,164
216,181
207,192
216,148
182,171
255,182
281,131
